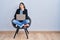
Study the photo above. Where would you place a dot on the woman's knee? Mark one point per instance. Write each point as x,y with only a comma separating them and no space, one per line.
14,21
27,21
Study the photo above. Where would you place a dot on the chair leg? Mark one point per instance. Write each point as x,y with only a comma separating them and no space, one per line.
16,32
27,31
26,34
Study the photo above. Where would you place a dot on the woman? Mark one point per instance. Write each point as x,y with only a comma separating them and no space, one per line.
21,10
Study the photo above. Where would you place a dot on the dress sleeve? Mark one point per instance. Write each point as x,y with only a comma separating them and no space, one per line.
15,14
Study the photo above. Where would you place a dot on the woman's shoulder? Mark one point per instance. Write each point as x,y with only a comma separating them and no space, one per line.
18,9
25,9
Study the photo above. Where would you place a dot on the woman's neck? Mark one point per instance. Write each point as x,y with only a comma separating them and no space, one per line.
22,8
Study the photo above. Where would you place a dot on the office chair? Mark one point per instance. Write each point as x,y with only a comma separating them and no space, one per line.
25,29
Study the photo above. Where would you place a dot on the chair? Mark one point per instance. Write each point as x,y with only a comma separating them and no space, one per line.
17,28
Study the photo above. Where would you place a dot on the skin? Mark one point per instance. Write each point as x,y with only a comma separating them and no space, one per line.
22,8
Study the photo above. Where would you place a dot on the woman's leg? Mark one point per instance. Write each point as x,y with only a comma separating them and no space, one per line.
25,21
18,23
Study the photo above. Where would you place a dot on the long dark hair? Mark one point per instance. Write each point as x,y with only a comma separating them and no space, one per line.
22,4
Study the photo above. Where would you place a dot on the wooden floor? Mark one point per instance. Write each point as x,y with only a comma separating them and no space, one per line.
8,35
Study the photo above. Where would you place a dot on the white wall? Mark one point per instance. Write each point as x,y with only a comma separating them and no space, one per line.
44,14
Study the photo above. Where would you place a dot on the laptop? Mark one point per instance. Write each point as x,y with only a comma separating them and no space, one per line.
20,17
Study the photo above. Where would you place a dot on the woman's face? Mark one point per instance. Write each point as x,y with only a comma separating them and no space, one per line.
21,6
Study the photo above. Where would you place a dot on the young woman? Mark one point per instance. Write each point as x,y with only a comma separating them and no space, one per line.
21,10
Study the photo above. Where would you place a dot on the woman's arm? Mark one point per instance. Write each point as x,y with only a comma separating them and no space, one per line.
26,14
15,14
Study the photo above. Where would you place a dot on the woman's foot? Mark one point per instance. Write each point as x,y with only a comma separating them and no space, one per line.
26,25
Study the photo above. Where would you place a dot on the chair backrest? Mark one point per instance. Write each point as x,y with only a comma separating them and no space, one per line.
30,20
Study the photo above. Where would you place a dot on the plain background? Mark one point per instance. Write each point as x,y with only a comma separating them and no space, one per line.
45,14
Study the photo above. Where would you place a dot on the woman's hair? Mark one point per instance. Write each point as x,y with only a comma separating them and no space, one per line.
22,4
